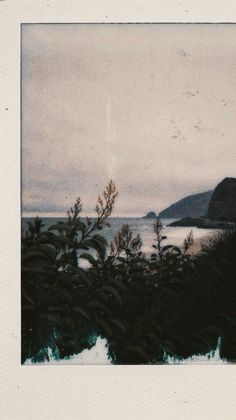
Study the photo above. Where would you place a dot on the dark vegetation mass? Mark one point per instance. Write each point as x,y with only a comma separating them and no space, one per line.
169,303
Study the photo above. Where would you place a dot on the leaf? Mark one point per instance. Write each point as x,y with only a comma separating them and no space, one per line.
175,280
121,259
139,351
46,237
114,292
82,275
152,337
118,283
65,294
30,255
60,227
211,329
100,294
81,312
54,319
105,326
118,324
62,239
79,246
100,248
172,248
28,298
218,272
100,238
35,270
88,257
28,308
49,249
171,293
56,308
96,244
80,226
99,306
87,243
230,319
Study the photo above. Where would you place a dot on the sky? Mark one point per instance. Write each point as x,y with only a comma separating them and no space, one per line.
150,106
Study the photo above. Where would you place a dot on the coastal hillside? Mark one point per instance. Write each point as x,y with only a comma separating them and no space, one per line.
222,205
191,206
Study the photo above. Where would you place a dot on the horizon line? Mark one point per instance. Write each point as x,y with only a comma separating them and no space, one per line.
54,214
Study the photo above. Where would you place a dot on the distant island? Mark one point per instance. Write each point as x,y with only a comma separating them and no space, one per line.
221,211
150,215
191,206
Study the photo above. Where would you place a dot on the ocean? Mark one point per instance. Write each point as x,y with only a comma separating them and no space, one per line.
175,235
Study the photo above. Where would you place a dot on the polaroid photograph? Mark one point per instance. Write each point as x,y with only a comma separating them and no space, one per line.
118,210
128,193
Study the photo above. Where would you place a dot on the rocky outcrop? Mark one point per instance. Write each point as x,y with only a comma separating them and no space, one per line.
191,206
222,205
150,215
202,223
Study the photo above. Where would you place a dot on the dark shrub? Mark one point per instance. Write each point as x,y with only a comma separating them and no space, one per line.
171,302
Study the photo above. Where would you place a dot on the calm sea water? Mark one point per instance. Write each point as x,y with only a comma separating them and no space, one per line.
175,235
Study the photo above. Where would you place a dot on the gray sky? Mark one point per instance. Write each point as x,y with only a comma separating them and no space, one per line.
150,106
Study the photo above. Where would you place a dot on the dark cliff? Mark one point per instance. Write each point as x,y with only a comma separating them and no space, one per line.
192,206
222,205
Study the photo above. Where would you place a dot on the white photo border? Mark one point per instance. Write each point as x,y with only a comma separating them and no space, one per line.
88,392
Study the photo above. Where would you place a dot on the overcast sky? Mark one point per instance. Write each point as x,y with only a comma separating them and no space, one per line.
150,106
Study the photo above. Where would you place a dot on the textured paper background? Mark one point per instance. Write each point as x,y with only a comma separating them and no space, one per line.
88,392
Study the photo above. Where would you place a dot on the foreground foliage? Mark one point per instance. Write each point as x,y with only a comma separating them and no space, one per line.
171,302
